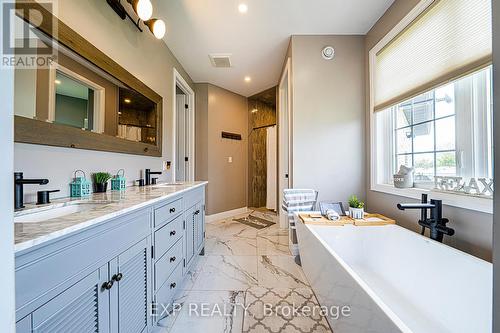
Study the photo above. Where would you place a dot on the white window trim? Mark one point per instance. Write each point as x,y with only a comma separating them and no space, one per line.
484,205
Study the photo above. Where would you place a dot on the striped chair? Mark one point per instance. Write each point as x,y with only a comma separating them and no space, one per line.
297,200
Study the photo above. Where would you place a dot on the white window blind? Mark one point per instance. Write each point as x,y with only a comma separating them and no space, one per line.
451,38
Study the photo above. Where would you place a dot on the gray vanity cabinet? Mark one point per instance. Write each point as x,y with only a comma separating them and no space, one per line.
84,307
195,231
129,296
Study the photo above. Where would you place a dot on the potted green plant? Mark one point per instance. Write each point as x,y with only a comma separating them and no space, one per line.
100,180
356,207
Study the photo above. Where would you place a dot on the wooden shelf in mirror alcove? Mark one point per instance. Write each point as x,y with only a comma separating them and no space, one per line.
44,133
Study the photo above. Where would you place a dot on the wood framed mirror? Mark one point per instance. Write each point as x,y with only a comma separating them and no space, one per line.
79,98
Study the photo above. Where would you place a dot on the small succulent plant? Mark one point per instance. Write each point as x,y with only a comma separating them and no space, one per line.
355,203
101,177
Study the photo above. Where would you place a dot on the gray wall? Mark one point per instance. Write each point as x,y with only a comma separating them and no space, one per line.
121,41
496,224
7,304
328,116
220,110
473,229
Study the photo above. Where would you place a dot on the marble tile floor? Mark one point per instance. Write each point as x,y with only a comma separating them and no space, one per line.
246,282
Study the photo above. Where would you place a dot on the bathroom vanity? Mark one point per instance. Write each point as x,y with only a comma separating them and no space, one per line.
109,263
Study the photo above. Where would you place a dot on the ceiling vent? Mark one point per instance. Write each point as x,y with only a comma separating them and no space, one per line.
220,60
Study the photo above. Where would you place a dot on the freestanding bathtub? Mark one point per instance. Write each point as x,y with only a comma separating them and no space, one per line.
395,280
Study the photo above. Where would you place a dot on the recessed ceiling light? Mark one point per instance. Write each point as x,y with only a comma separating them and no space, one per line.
255,110
248,79
57,81
127,100
243,8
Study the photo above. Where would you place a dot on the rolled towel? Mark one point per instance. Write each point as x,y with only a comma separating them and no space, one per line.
332,215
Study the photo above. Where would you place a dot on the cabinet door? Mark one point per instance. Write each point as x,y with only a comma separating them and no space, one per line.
130,298
199,227
190,218
83,307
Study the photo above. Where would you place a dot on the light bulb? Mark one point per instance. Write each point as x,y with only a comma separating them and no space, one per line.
243,8
143,8
248,79
157,27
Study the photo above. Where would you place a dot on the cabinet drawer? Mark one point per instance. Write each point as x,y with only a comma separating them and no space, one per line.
166,294
194,196
167,212
167,236
166,265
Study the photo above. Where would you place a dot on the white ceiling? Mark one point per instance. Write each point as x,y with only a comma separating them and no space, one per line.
257,40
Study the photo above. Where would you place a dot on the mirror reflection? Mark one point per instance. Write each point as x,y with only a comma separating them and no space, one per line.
74,92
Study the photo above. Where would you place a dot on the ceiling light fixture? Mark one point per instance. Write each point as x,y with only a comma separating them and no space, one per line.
57,81
143,8
127,100
144,11
248,79
255,110
243,8
157,27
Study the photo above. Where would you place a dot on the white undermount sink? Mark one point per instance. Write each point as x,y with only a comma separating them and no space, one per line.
40,215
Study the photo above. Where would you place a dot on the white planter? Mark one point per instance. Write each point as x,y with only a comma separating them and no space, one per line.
356,213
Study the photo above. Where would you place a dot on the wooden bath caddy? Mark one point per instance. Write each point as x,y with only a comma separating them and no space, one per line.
368,220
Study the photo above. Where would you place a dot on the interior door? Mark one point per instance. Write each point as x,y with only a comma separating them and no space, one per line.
284,140
181,142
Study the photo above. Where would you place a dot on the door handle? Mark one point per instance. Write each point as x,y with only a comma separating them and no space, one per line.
172,210
172,233
172,259
173,285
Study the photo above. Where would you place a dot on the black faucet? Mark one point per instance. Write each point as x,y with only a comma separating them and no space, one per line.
148,174
436,223
19,182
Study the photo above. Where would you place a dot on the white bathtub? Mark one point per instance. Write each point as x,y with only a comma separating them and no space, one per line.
395,280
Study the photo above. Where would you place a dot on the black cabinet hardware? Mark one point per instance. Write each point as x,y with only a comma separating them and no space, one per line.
117,277
172,259
172,210
172,233
107,285
173,285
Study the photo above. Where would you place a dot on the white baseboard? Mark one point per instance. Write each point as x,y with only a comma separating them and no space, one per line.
225,215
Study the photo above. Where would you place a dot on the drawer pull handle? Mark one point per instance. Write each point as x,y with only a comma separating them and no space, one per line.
117,277
172,259
197,212
172,233
172,210
173,285
107,285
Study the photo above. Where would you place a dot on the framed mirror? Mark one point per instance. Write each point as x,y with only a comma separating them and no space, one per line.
80,98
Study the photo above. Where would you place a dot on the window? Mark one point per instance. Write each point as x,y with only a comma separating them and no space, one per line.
431,104
446,131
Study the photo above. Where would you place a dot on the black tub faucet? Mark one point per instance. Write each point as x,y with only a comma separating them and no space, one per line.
435,222
19,182
148,174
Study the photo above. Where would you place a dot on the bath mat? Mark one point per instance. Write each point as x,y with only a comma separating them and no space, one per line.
255,222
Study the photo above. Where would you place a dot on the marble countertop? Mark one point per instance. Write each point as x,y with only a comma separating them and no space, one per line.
110,205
